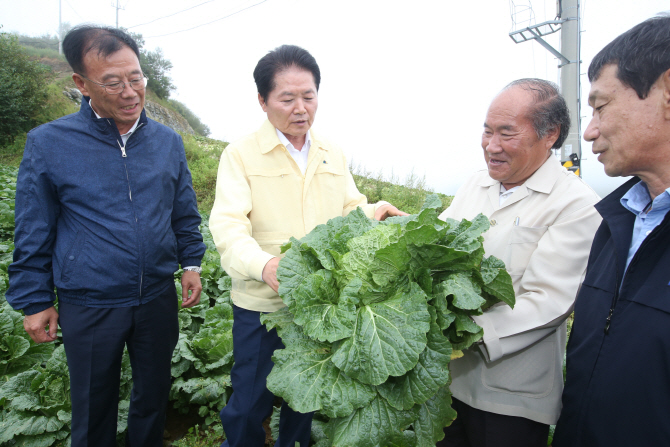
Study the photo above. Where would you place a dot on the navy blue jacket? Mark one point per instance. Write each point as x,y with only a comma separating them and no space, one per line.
106,230
617,391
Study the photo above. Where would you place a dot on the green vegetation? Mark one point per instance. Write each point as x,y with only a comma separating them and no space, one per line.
53,105
203,156
407,196
197,437
45,46
198,126
157,68
23,89
375,312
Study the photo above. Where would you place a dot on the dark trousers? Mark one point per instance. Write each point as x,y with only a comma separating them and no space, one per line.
251,401
477,428
94,339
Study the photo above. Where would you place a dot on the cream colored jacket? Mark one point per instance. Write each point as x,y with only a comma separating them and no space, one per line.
517,371
262,199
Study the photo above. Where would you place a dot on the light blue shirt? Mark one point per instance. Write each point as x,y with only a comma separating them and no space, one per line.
637,201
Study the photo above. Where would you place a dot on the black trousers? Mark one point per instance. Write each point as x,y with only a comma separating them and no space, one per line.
251,401
477,428
94,339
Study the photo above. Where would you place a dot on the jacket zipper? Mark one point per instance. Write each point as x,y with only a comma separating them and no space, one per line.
615,298
130,195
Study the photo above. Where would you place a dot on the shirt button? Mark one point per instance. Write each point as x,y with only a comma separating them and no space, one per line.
71,258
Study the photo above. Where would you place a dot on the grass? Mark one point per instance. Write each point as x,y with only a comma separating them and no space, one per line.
39,53
201,437
203,155
407,195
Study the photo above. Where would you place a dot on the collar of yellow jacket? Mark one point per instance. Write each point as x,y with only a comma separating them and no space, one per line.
542,180
268,139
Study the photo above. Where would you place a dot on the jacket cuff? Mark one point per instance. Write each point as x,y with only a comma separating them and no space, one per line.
492,349
191,262
257,264
36,308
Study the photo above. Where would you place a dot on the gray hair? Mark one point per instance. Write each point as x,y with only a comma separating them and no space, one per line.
549,109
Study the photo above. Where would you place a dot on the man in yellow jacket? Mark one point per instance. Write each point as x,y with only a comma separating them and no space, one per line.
279,182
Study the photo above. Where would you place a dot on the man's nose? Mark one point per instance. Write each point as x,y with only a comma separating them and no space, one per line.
128,91
592,131
299,107
492,144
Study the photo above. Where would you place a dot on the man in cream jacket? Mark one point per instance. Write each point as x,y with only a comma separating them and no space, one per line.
507,388
279,182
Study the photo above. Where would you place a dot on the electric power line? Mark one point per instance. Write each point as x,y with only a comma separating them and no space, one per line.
208,23
74,10
170,15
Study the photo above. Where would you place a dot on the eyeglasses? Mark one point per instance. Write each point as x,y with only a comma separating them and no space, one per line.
114,88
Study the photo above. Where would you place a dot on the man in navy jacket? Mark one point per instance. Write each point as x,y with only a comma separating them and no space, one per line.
105,213
617,391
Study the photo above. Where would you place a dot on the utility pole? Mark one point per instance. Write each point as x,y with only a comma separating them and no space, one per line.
117,11
60,28
570,75
567,21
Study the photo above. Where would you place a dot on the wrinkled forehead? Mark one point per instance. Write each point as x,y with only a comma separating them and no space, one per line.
509,109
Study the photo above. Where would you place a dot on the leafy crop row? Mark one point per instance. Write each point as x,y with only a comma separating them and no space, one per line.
35,406
376,286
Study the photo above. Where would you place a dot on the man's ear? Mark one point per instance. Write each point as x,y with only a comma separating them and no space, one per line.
79,82
665,85
552,136
261,102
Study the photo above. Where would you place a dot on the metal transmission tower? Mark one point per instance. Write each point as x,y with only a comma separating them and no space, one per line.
567,21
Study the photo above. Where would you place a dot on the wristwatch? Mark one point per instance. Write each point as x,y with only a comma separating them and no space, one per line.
198,270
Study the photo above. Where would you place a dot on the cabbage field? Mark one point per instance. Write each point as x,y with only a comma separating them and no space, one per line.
375,312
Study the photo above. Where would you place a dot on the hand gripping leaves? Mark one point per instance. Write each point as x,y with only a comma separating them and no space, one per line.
375,312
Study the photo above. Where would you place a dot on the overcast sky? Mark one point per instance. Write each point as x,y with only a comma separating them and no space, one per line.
405,85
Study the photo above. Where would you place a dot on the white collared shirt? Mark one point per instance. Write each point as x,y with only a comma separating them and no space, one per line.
126,135
505,194
300,156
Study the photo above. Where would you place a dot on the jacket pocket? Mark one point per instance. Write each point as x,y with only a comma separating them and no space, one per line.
275,193
328,188
271,241
522,243
529,372
329,168
71,259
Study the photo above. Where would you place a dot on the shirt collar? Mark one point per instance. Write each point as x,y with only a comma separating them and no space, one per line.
542,180
637,199
132,129
289,145
504,191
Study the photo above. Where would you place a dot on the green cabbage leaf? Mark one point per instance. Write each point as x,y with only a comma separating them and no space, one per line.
375,311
